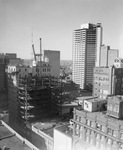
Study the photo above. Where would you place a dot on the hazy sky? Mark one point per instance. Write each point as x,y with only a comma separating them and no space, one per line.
54,21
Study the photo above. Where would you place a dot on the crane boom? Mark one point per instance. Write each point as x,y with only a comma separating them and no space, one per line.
34,51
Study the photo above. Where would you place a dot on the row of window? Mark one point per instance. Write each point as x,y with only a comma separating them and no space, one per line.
95,138
46,69
102,78
100,84
98,126
46,65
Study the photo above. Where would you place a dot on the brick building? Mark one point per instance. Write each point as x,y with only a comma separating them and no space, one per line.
97,130
107,81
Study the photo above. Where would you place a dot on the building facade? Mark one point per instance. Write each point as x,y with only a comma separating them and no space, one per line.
87,42
108,56
107,81
53,58
23,71
63,137
4,60
96,131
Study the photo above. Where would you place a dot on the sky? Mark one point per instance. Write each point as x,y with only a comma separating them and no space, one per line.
23,22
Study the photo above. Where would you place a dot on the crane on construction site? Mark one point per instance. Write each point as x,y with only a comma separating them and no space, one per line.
37,57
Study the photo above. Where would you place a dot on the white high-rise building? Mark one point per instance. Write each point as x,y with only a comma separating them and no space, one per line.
87,43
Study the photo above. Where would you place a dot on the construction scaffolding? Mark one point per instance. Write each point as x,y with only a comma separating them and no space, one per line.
34,98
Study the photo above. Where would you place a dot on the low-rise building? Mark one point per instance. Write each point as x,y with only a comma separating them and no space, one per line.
54,130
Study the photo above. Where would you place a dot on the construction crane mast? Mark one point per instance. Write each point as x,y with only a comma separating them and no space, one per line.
37,57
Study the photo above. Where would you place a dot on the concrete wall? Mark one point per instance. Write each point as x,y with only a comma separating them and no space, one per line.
62,141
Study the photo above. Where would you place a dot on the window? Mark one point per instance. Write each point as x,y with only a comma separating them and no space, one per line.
121,136
100,90
87,135
109,131
48,69
77,118
44,64
81,119
100,96
100,84
37,70
114,132
92,124
88,122
109,141
77,130
103,128
98,126
81,133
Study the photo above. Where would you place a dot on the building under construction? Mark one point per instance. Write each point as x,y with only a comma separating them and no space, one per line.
33,98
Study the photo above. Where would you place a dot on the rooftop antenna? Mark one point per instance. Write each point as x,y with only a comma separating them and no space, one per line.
40,49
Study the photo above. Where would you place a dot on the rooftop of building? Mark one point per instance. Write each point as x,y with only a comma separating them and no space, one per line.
94,99
55,51
88,26
68,104
10,141
100,115
65,129
83,97
47,125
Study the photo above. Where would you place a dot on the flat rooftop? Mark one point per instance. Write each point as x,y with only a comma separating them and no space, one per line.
47,125
10,141
103,115
65,129
72,104
92,99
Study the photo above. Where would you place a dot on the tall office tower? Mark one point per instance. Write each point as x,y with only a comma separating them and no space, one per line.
87,43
